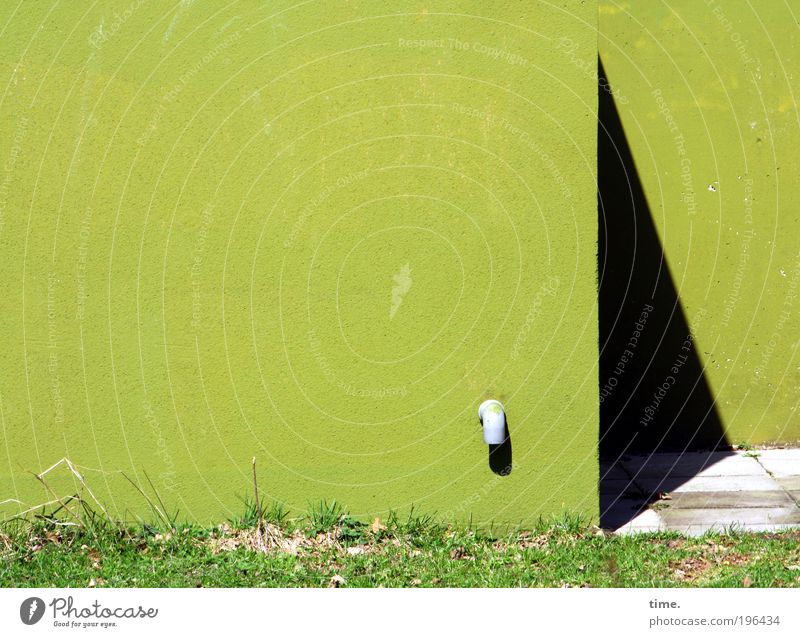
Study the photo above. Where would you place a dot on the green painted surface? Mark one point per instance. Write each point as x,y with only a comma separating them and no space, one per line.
318,236
707,95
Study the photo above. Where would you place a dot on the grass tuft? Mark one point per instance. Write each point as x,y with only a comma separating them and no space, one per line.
275,513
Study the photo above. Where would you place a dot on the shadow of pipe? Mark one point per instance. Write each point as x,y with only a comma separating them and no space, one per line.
500,456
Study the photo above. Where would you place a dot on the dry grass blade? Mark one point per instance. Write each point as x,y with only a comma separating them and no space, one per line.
259,512
61,501
158,496
155,509
79,477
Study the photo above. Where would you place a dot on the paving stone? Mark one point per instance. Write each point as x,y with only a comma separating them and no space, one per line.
791,483
780,454
625,502
609,471
721,518
710,483
687,464
616,510
690,464
632,530
702,529
709,492
614,487
728,499
780,467
646,522
737,464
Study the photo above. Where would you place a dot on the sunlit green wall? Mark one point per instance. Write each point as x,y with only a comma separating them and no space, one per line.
707,92
318,234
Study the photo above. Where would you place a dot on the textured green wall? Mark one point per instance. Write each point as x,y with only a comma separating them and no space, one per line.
315,233
706,91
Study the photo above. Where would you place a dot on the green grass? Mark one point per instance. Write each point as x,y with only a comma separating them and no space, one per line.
330,548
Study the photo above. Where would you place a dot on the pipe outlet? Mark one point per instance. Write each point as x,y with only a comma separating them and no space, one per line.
493,418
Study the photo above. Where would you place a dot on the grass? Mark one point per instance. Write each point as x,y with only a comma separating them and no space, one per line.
327,547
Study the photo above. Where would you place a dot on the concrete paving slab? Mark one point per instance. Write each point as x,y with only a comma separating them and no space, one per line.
687,464
610,471
619,513
780,454
780,467
701,529
646,522
615,487
674,518
767,528
708,492
729,499
733,466
790,483
692,464
710,483
622,500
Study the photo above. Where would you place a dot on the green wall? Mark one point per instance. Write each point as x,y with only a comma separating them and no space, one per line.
318,234
706,94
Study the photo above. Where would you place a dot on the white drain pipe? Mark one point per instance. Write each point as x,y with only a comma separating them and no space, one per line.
493,418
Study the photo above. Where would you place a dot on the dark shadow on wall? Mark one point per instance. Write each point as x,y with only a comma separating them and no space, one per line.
653,391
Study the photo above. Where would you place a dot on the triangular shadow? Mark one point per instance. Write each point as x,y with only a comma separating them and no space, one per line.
653,391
